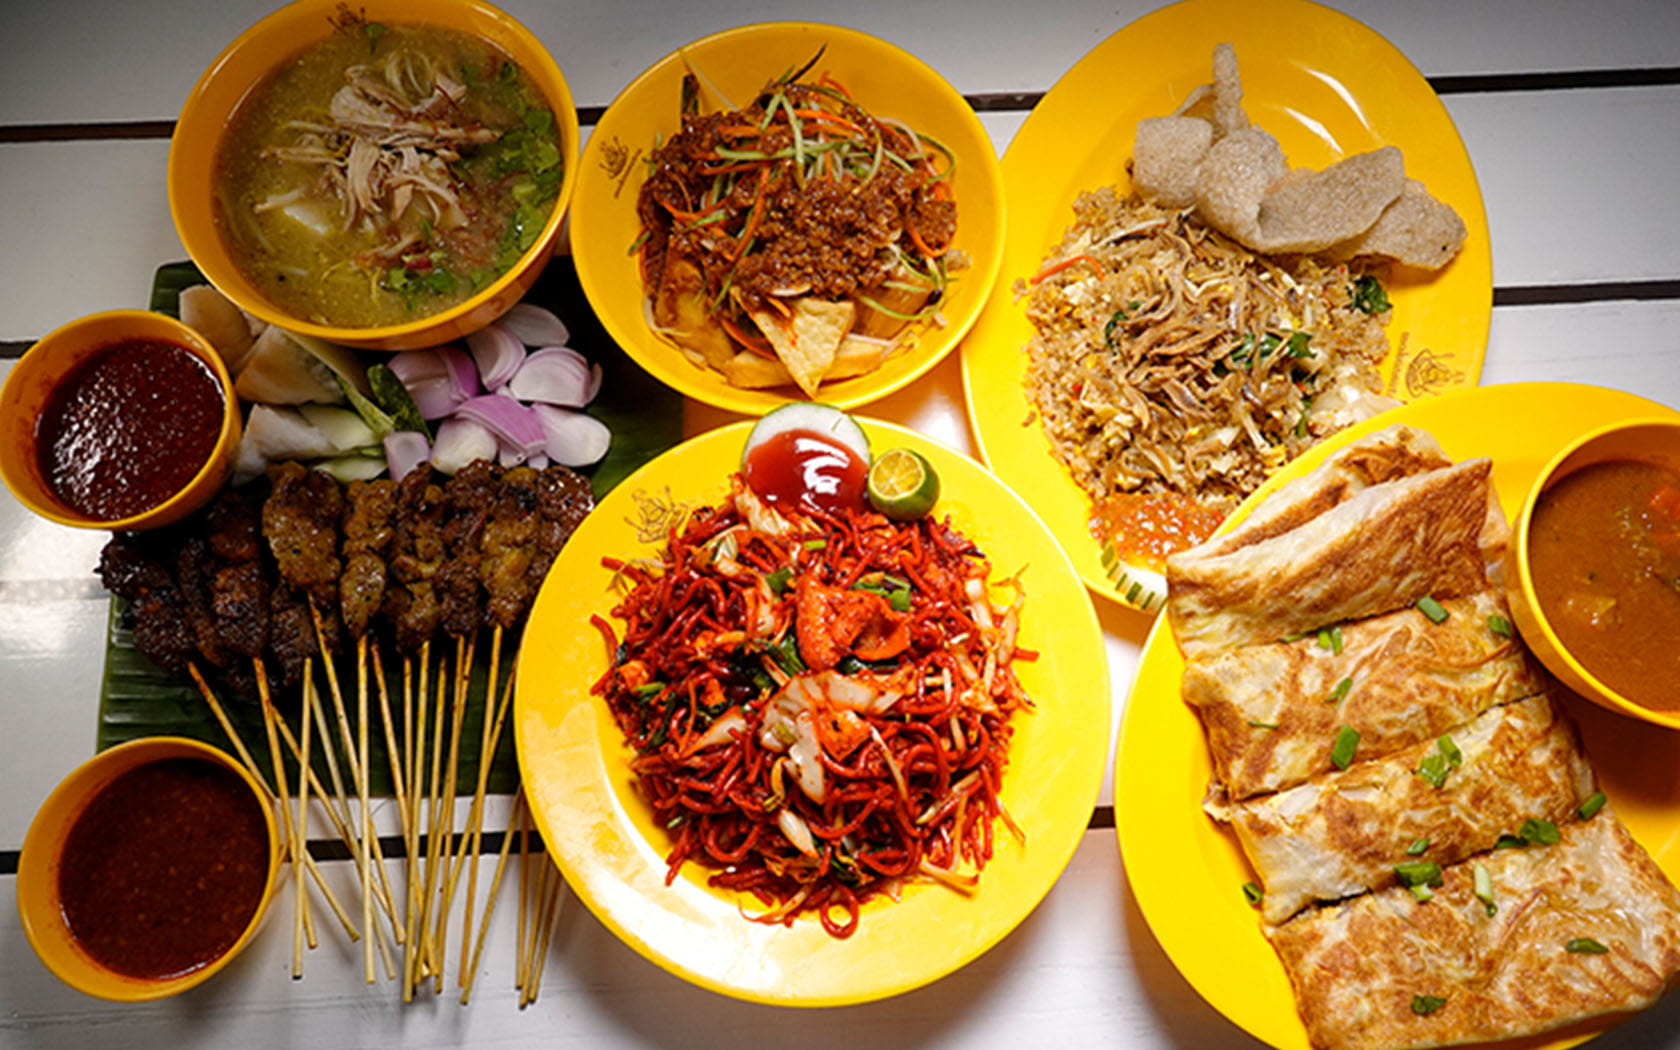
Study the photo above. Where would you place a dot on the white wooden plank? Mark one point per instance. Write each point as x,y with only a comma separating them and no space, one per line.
90,60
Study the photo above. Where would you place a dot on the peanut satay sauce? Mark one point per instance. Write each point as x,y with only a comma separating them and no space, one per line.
128,428
163,870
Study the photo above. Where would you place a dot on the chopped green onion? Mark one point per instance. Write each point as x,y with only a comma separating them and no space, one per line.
1434,769
1423,893
1418,873
1254,895
1295,636
1262,725
650,689
815,545
778,580
1586,946
1445,745
1484,887
1592,805
1431,608
1417,847
1341,752
899,599
1338,694
1541,831
1426,1004
1500,626
1330,638
1510,842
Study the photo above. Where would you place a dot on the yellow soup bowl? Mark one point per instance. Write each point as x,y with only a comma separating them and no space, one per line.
1651,440
41,372
41,866
732,67
274,42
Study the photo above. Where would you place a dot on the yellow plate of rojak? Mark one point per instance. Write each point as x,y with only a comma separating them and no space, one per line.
787,211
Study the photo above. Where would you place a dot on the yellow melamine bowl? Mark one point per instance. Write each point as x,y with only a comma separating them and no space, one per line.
1647,440
39,905
273,42
736,64
39,372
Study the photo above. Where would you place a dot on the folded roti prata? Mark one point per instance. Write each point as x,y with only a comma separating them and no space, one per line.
1267,709
1342,834
1396,452
1385,548
1385,970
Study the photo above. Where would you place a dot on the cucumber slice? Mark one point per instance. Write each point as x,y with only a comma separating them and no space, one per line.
809,415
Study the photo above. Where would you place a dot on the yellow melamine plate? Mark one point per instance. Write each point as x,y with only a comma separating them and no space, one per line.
1325,86
1187,873
575,764
886,80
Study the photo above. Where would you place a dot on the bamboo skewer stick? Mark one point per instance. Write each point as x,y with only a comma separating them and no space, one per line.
520,962
301,825
462,684
471,973
359,771
490,732
424,954
417,792
256,772
375,867
294,846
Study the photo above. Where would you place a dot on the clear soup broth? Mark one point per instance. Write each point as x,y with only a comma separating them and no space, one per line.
386,173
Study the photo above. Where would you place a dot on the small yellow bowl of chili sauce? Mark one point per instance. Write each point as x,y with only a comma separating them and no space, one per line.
119,420
1595,586
148,869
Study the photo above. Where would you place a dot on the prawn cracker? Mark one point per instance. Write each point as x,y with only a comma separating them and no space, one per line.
807,341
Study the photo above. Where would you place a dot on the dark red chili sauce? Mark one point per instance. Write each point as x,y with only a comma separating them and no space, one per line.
128,428
808,470
164,869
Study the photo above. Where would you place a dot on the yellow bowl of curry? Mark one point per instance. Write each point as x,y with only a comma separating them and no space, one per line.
1595,581
148,869
788,210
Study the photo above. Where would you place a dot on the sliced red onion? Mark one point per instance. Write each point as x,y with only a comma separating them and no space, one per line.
438,379
462,371
405,450
574,439
534,326
459,442
435,397
498,352
556,375
514,425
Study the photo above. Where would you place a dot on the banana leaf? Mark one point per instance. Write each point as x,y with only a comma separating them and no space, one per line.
137,698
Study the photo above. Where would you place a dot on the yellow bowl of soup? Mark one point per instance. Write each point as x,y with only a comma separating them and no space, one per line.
767,300
1595,580
148,869
391,174
120,420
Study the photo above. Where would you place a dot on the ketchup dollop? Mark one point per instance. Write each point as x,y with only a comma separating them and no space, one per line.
806,470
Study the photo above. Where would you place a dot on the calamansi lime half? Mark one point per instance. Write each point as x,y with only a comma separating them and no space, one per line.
902,484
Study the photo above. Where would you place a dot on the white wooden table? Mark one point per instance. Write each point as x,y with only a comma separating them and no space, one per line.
1571,112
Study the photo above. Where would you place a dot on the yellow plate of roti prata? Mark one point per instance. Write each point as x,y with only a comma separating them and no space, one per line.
576,764
1326,87
731,68
1187,872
